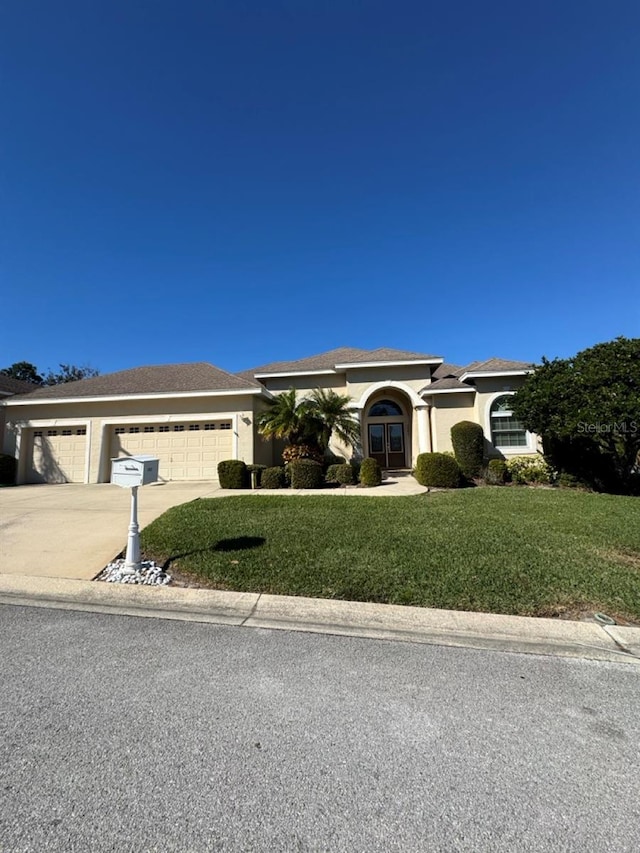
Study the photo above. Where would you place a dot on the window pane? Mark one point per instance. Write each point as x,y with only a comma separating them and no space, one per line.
376,439
395,438
384,408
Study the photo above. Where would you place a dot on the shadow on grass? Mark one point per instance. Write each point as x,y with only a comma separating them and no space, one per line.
240,543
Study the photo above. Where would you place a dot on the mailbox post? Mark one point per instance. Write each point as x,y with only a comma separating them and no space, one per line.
132,472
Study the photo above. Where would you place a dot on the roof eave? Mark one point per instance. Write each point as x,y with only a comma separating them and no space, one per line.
399,363
104,398
286,373
427,393
487,374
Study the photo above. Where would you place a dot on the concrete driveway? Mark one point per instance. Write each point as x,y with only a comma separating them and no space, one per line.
73,531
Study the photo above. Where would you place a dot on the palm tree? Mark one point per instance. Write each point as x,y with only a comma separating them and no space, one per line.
290,419
332,412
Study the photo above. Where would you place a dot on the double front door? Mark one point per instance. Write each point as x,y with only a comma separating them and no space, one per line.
386,444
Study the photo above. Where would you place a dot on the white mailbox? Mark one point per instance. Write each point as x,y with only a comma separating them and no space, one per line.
129,471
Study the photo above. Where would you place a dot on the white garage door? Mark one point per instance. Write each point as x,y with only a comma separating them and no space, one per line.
187,451
58,455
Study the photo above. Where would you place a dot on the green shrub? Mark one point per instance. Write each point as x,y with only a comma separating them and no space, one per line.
8,466
257,470
370,473
570,481
330,459
332,474
233,474
344,475
526,470
437,470
496,473
273,478
305,474
467,438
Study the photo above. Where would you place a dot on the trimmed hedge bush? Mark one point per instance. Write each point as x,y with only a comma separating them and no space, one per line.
8,466
305,474
344,474
467,438
330,459
496,473
370,473
332,474
438,471
233,474
273,478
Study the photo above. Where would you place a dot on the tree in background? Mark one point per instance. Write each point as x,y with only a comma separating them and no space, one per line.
24,371
27,372
587,411
69,373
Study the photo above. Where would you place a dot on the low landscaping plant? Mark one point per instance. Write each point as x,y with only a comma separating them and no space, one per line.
530,470
330,459
370,473
273,478
301,451
496,472
467,438
437,470
233,474
305,474
331,475
344,475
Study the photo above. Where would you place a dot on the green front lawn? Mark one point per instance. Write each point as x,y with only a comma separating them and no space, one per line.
512,550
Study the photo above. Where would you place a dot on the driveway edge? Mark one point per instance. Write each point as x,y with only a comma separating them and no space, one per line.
327,616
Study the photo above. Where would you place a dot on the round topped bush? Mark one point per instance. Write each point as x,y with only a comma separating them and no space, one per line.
438,471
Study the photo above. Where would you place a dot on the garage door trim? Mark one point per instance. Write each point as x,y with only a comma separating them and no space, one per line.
24,440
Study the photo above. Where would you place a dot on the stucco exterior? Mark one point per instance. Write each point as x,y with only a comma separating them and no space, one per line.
406,404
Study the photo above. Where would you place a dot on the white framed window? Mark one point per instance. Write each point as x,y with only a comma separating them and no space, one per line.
52,432
81,431
119,430
194,427
37,433
178,428
210,426
507,432
225,425
149,429
134,429
67,432
163,428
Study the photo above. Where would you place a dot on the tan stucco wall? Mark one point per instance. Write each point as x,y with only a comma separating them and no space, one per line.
450,409
100,417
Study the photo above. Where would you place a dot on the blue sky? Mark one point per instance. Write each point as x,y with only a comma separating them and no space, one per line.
239,182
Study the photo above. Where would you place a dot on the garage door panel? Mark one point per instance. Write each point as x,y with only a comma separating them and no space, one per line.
55,457
184,453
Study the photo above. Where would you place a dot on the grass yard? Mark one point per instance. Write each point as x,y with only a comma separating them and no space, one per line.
532,552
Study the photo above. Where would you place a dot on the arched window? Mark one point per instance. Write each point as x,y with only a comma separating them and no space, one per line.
506,429
385,409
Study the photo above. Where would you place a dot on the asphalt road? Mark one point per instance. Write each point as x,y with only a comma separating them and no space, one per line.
130,734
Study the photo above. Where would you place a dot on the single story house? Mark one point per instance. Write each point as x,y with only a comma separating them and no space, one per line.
192,416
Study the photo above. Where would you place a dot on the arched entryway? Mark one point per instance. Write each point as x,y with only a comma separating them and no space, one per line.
387,428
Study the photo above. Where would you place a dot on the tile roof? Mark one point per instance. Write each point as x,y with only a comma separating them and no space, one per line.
449,384
342,355
9,385
159,379
443,371
495,365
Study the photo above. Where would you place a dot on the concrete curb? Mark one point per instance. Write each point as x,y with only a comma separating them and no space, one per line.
358,619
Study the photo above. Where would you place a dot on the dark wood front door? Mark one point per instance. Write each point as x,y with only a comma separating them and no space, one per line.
386,445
